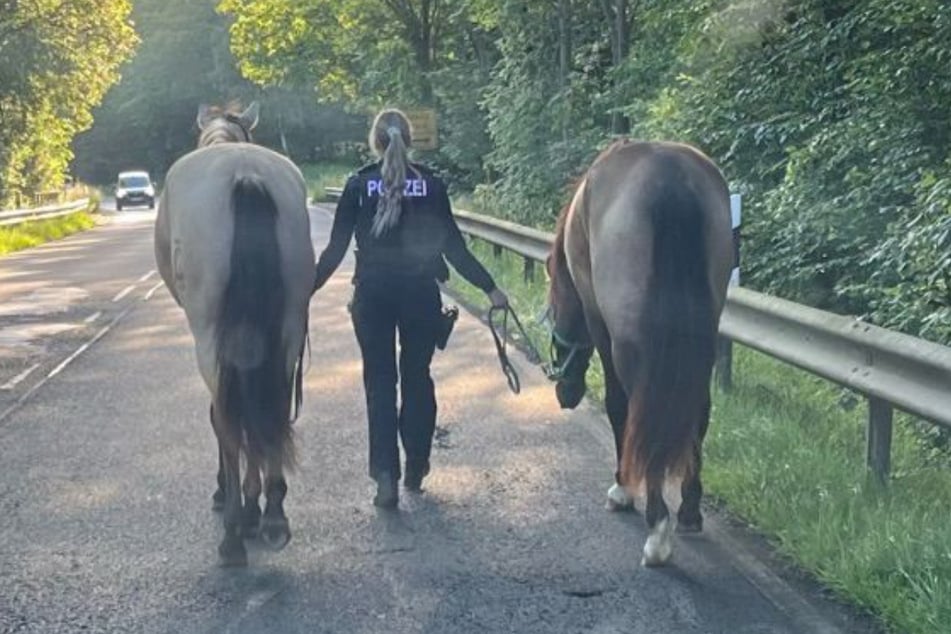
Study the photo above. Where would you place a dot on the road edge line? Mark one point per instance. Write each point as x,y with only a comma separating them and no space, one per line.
62,365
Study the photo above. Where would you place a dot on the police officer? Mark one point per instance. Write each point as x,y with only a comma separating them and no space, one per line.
400,214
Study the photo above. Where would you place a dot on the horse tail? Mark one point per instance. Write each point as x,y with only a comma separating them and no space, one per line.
678,335
254,391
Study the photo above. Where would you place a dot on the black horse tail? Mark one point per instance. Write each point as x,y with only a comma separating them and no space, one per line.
678,342
254,390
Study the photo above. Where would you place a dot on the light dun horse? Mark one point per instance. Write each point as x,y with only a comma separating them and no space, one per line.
639,271
232,242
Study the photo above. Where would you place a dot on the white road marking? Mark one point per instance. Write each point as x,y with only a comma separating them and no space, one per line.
146,277
59,368
12,383
96,315
124,292
152,291
99,335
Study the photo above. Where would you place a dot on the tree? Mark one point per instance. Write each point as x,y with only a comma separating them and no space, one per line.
345,48
372,53
148,120
59,59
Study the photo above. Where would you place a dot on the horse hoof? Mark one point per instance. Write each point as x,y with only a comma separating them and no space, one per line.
690,525
658,548
275,532
618,499
218,500
570,393
232,553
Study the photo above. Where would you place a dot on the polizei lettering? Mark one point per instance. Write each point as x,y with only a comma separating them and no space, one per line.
415,187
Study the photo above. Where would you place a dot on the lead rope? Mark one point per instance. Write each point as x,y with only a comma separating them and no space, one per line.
501,342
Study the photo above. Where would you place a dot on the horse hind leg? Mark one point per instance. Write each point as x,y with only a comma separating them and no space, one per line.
275,529
218,498
616,404
231,549
689,518
659,545
251,512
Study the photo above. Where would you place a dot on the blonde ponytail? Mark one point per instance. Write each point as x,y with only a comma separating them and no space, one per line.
390,137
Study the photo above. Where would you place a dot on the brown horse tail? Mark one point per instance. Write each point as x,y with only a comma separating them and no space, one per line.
254,391
678,335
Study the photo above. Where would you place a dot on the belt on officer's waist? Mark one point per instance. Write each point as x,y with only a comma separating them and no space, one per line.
395,267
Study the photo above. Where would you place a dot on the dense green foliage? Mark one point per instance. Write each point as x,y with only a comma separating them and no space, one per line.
829,116
57,60
148,120
413,53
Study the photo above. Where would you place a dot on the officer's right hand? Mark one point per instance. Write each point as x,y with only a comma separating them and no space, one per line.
498,298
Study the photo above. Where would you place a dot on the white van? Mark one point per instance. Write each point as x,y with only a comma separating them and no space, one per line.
134,188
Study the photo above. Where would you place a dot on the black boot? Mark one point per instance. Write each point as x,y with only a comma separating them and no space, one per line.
387,496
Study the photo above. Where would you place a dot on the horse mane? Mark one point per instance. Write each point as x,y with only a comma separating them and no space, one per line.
557,254
230,113
232,108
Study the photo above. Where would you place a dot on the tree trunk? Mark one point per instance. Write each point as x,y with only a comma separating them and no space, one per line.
423,48
280,128
621,47
564,54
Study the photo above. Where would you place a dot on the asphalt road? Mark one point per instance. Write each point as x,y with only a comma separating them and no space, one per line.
108,468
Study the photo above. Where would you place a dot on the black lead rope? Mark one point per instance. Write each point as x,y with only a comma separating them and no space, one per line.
500,333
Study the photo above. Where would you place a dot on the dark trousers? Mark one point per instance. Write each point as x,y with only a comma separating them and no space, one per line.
382,308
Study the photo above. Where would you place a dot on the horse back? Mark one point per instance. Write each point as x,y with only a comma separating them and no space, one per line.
196,217
195,231
611,226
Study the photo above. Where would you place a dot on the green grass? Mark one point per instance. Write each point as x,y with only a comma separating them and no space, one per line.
787,455
31,234
326,174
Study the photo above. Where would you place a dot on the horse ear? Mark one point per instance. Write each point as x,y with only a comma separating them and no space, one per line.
203,112
250,116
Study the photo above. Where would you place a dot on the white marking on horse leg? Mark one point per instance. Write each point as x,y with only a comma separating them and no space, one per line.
658,548
619,499
128,289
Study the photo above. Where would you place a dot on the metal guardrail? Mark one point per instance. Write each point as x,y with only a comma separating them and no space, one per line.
19,216
892,370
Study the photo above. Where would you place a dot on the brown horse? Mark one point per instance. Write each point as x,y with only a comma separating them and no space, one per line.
232,243
639,271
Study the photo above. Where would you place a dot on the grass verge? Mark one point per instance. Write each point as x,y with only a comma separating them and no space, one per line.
31,234
785,453
326,174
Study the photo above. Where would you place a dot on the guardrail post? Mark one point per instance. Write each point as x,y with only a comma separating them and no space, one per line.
528,270
497,250
724,364
880,414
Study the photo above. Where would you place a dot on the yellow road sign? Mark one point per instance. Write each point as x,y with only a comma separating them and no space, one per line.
425,134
